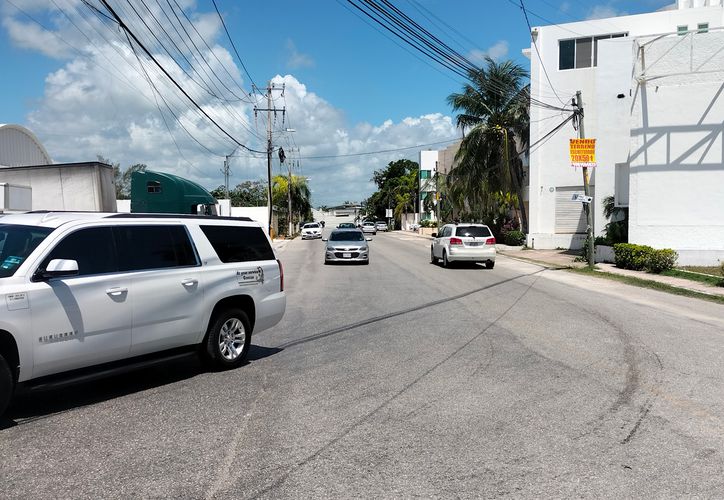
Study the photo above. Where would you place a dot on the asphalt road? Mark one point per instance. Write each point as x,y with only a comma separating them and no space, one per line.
404,379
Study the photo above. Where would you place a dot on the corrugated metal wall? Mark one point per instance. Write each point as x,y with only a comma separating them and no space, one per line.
17,148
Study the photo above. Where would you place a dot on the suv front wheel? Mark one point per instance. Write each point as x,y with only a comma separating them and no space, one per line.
228,339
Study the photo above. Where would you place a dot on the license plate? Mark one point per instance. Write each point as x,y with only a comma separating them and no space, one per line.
346,255
474,244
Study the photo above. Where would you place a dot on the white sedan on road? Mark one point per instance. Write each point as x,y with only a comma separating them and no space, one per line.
311,230
465,243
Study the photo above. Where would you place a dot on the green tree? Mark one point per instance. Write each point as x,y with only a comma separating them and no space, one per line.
301,198
245,194
398,179
122,178
495,112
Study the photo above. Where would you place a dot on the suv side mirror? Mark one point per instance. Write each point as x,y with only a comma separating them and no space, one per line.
60,268
434,235
325,239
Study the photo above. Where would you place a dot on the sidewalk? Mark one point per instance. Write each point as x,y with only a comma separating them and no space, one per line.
565,259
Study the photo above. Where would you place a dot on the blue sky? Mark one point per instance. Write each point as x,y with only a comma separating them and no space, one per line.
350,89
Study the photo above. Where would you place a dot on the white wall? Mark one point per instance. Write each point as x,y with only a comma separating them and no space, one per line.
607,118
428,161
76,187
677,150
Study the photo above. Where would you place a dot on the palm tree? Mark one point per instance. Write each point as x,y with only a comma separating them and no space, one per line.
495,111
301,195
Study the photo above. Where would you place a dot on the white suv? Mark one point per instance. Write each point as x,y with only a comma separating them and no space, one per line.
87,289
463,242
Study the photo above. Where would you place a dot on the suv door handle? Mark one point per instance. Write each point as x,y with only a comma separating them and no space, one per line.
190,282
117,290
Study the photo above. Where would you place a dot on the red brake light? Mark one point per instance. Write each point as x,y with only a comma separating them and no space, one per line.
490,241
456,241
281,275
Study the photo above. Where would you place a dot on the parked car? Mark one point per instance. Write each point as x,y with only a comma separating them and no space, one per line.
369,227
347,245
414,226
346,225
97,291
311,231
381,225
463,243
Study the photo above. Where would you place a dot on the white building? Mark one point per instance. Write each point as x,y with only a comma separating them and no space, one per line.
428,186
653,99
25,162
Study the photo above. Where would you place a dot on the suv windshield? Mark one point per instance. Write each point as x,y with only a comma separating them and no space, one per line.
16,243
311,226
346,236
474,231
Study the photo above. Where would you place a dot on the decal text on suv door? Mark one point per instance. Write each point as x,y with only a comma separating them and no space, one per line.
250,277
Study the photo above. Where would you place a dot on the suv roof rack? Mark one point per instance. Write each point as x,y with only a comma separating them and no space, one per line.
175,216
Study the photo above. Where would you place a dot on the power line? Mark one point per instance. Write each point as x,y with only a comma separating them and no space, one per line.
253,85
535,44
125,27
380,151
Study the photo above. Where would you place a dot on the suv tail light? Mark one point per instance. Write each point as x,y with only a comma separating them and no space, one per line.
456,241
281,275
490,241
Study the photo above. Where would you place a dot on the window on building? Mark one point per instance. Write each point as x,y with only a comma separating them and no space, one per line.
682,30
566,54
702,27
581,52
424,174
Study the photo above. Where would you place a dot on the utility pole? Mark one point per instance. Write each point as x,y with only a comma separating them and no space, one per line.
586,187
225,171
269,148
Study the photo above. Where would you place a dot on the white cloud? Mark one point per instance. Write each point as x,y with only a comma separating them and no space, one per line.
296,59
101,103
30,36
604,12
497,51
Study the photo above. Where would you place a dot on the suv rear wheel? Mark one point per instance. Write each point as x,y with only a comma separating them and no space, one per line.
445,262
6,384
228,339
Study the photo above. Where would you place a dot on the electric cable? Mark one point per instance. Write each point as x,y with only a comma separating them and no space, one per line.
125,27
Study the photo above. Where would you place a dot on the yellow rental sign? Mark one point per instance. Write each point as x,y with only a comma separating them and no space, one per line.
583,152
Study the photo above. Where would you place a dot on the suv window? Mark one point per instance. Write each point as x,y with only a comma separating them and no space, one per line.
447,231
154,247
92,248
476,231
238,243
16,243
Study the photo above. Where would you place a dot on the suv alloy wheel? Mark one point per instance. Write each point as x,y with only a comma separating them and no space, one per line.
228,339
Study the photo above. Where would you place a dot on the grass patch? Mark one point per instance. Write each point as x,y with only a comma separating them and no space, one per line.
712,270
695,276
653,285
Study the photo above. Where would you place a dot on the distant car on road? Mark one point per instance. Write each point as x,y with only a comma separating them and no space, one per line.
346,225
369,227
381,225
465,243
347,245
311,231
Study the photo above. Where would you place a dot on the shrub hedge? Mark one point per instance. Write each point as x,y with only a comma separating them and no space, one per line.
514,238
644,258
